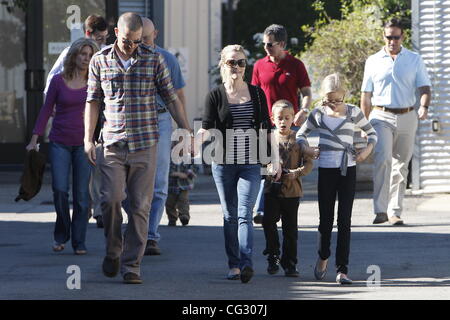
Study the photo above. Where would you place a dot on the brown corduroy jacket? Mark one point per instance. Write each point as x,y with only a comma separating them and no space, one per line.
292,159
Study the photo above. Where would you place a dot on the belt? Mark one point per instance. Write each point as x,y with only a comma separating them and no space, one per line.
120,144
396,110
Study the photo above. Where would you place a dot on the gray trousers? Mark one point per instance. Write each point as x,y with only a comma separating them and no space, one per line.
393,151
134,172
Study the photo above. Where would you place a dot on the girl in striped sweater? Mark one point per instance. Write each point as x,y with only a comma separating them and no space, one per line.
336,122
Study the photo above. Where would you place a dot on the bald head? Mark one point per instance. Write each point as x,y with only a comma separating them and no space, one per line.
148,32
129,21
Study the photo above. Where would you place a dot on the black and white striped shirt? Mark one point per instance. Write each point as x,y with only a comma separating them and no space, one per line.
241,147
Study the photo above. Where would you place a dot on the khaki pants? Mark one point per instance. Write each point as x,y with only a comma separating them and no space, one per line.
177,205
134,172
393,151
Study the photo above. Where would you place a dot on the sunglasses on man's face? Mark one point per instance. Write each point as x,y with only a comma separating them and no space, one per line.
131,42
233,63
393,37
270,44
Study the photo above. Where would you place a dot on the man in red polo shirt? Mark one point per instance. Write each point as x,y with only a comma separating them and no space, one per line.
281,76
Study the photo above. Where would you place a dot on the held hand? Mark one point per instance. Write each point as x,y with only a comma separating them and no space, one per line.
291,175
182,175
274,170
31,146
312,152
299,118
363,154
363,134
423,113
89,150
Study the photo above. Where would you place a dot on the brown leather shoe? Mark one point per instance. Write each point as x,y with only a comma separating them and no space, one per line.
381,218
152,249
110,267
396,221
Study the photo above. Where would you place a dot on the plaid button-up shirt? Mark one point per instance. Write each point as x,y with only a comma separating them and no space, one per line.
130,95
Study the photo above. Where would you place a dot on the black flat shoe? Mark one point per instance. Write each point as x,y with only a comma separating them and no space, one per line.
319,275
273,264
246,274
99,223
291,272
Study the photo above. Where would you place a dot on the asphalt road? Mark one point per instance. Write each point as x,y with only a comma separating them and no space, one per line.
386,262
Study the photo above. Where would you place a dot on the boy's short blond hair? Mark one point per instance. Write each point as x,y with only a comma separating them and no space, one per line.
282,104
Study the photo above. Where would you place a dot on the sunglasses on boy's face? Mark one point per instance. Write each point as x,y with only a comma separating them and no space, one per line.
393,37
233,63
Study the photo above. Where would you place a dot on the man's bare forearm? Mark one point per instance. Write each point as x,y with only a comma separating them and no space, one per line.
178,114
425,96
307,97
91,114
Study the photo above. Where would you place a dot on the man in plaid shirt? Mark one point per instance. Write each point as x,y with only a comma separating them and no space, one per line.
127,76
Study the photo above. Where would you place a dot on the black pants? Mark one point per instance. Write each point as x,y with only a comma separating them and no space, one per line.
286,209
331,183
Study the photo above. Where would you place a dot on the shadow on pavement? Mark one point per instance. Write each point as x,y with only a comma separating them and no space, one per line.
193,266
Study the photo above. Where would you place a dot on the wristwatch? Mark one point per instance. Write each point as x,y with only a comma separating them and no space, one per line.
426,107
306,110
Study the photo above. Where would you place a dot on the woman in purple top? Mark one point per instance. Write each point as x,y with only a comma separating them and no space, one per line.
68,91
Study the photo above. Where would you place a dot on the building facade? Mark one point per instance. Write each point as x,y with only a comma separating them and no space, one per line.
34,34
431,38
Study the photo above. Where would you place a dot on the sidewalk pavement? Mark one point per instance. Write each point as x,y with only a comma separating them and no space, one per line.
413,260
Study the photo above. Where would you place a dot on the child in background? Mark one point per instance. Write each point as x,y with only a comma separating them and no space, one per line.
336,122
181,180
282,194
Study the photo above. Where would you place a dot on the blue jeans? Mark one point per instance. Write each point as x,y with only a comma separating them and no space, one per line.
238,186
162,175
65,159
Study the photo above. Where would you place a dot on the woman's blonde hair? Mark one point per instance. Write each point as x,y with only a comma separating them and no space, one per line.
70,60
223,53
333,83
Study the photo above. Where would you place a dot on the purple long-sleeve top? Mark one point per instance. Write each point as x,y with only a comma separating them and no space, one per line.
68,125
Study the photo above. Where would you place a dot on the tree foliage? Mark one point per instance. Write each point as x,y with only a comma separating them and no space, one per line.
344,45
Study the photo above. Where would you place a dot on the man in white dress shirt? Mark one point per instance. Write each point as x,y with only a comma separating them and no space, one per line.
391,78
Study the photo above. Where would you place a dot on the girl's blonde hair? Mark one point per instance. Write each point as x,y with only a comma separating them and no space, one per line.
70,60
223,54
333,83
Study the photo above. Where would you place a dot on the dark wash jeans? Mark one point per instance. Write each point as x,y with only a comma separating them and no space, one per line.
67,161
330,184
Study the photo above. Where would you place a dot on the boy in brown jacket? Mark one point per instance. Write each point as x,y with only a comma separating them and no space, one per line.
282,195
